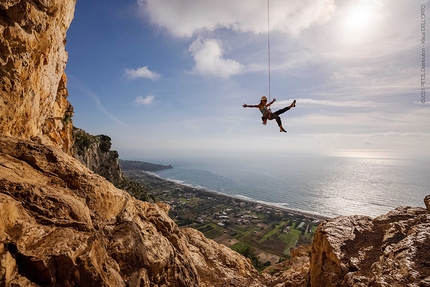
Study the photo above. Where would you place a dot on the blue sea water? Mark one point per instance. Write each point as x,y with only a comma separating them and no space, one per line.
324,185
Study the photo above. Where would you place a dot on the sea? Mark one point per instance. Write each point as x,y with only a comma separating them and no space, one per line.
324,185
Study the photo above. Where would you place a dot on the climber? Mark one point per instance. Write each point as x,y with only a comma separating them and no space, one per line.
264,108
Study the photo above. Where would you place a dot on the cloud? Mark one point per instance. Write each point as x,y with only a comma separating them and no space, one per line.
403,143
351,104
422,102
144,101
347,74
370,135
208,59
101,108
142,72
186,17
81,86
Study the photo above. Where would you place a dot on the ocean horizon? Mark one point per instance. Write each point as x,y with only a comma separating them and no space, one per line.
322,185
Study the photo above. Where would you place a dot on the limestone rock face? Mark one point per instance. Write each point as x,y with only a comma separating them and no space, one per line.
94,152
33,92
427,202
217,266
389,250
293,272
63,225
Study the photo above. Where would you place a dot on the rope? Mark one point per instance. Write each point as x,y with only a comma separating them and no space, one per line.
268,43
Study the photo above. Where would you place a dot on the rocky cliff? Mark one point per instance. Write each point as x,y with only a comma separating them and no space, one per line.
389,250
33,90
95,153
63,225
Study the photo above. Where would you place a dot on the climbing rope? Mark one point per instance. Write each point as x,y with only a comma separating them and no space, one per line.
268,43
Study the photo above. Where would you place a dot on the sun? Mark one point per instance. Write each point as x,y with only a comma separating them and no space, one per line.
359,16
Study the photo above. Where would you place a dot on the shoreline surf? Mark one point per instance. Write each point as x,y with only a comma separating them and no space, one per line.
273,205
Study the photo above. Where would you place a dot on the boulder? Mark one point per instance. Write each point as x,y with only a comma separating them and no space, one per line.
389,250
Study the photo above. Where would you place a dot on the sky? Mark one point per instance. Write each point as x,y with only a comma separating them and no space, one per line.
163,77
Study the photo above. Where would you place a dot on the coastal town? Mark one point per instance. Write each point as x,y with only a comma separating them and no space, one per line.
269,232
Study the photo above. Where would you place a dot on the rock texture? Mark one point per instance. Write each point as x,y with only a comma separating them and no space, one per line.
63,225
293,272
94,152
390,250
33,92
213,260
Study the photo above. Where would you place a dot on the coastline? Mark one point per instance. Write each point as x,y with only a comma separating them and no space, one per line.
178,183
272,231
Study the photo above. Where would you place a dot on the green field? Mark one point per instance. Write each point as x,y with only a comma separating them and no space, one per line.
275,231
290,239
258,228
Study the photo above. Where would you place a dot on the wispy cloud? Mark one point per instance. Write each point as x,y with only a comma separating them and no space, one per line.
287,16
340,103
144,101
366,135
100,107
208,59
405,142
77,83
142,72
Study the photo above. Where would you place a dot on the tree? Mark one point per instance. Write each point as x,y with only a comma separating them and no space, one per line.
249,252
105,143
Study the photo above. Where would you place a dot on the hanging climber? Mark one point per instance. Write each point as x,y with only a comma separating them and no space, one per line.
264,108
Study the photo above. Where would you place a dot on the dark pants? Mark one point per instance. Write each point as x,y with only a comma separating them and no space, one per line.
276,114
